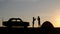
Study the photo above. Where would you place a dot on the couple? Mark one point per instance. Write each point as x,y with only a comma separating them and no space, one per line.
34,19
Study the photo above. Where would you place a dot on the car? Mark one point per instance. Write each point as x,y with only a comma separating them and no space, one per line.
15,22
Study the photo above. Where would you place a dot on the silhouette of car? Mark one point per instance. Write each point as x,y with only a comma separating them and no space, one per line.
15,22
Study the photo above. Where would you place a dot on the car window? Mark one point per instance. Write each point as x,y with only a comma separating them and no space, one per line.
13,20
18,20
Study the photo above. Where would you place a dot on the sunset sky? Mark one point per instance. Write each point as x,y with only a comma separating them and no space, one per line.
48,10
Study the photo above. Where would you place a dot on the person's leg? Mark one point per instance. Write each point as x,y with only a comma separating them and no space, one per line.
39,23
33,24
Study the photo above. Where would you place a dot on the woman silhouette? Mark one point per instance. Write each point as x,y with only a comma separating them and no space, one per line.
33,21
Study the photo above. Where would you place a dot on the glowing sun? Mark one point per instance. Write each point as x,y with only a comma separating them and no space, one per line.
57,21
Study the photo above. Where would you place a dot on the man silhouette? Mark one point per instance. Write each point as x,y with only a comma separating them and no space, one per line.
33,21
38,20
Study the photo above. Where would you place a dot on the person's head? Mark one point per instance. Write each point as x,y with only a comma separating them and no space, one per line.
38,17
33,17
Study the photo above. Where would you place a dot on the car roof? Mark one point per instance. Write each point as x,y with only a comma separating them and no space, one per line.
14,19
